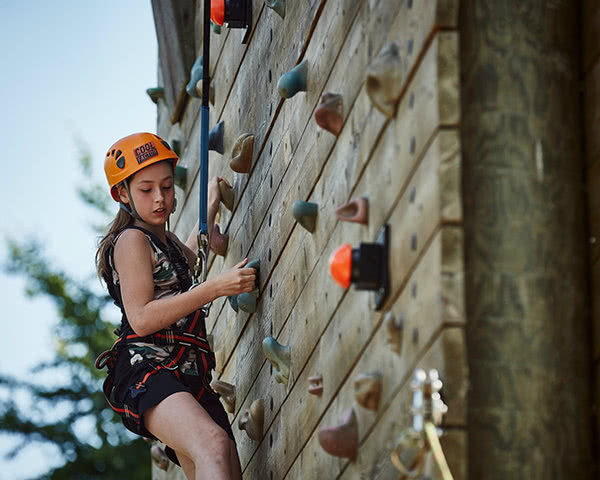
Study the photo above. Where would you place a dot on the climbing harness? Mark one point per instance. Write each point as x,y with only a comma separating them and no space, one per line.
191,336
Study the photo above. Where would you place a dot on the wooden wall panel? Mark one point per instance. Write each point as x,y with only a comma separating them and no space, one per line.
408,167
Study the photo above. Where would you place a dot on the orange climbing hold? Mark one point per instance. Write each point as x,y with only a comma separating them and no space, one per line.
340,265
217,12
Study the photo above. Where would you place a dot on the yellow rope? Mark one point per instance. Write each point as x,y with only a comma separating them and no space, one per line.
436,449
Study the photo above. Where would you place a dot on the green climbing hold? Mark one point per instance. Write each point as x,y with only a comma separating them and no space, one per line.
215,137
306,214
278,6
280,357
180,176
294,81
247,301
215,28
233,301
156,93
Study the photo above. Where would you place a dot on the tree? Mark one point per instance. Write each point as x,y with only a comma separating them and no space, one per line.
82,332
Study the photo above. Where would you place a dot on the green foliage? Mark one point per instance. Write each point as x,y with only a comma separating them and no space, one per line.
106,450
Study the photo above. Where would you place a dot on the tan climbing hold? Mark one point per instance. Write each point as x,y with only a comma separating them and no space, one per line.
252,420
341,440
243,149
384,80
329,114
394,328
227,392
356,210
218,241
211,92
219,361
226,194
159,457
367,390
315,385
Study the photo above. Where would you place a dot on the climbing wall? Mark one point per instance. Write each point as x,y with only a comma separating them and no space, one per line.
395,65
591,76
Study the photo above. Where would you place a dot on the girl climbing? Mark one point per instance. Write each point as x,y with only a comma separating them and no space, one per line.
159,368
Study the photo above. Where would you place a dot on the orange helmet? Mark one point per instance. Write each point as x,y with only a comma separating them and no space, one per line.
132,153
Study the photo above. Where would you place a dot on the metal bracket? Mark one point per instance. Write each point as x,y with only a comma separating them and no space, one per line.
383,239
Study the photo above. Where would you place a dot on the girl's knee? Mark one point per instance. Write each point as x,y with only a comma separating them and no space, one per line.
217,446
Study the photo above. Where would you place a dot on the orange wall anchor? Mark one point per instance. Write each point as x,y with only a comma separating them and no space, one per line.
367,267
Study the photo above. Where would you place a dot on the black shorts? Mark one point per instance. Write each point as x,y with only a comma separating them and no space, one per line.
165,383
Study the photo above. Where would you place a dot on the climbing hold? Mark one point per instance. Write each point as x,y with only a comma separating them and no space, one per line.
294,81
384,80
408,454
233,301
341,440
329,114
226,194
218,241
219,361
278,6
211,340
247,301
156,93
394,330
366,267
227,392
315,385
215,137
306,214
356,210
280,357
194,86
252,420
367,390
176,147
243,149
180,176
215,28
159,457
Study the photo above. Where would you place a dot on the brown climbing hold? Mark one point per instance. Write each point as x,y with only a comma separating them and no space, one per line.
227,392
226,194
315,385
218,241
329,114
384,80
367,390
356,210
394,331
241,160
159,457
341,440
252,420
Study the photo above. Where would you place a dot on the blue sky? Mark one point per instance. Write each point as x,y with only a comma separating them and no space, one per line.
71,71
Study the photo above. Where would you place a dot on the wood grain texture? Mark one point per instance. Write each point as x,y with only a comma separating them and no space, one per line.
591,34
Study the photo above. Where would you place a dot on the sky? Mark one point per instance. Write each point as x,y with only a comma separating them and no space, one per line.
72,73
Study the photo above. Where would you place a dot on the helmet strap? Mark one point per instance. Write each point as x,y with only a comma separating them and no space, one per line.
131,208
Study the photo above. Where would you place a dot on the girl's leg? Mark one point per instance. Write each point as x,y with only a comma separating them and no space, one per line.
187,466
234,461
180,422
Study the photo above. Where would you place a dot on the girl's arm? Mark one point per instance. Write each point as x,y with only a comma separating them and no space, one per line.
133,262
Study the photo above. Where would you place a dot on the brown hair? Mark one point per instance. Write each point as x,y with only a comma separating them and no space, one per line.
122,220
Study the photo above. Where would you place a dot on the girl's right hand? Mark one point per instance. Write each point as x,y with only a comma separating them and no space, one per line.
237,280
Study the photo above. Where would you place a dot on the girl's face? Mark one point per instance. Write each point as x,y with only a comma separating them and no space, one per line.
153,193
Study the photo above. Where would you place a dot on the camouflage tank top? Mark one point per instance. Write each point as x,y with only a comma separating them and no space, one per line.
165,285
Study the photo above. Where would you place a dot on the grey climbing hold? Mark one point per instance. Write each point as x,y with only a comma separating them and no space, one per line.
306,214
278,6
247,301
180,176
280,357
215,137
156,93
233,301
294,81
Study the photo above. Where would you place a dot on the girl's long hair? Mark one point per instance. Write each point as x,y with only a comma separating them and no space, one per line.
122,220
